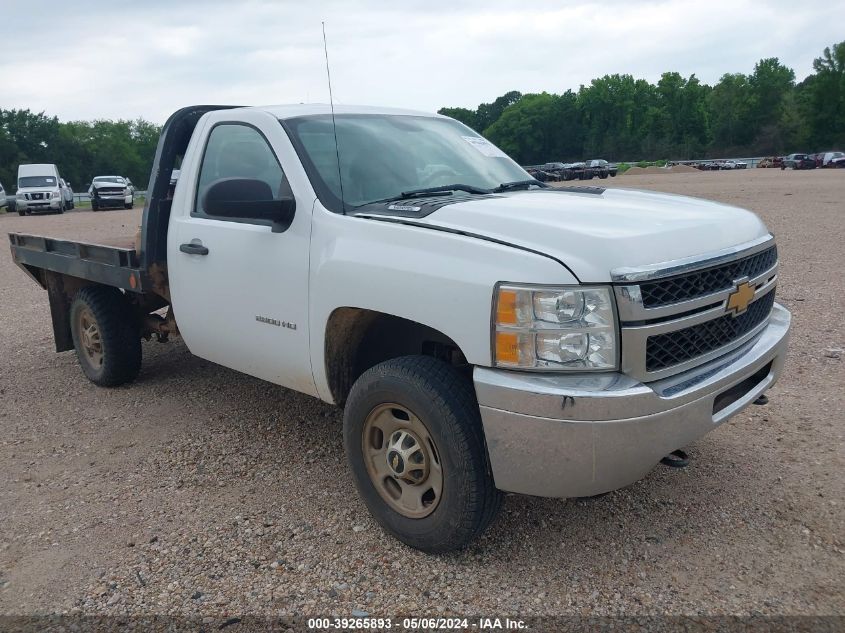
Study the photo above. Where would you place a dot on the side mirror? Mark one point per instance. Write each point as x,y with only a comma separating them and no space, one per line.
248,199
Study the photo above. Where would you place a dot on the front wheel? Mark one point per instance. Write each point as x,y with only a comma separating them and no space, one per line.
105,335
415,446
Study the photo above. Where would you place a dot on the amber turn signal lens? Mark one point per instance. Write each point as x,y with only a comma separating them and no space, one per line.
506,308
507,348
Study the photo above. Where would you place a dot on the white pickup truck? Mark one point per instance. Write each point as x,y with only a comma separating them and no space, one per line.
485,333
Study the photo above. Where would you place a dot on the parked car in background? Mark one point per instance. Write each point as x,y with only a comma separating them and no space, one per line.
799,161
734,164
3,201
601,168
837,162
769,161
110,191
710,165
67,193
39,189
542,176
828,157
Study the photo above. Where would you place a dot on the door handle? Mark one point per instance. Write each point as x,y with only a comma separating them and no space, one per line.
194,248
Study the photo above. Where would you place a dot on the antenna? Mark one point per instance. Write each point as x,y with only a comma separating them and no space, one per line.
334,125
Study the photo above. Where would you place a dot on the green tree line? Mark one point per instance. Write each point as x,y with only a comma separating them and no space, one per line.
80,149
619,117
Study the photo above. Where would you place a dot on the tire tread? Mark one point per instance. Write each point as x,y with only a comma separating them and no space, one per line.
453,396
119,333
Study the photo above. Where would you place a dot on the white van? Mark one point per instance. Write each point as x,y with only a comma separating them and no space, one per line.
39,189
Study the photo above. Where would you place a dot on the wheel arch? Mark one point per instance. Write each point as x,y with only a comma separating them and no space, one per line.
357,339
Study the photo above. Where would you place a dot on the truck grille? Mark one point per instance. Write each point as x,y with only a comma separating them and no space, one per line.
680,346
110,191
671,321
690,286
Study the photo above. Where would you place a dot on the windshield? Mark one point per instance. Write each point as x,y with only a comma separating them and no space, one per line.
116,179
382,156
36,181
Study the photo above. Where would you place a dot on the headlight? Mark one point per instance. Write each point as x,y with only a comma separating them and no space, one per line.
56,194
564,328
126,191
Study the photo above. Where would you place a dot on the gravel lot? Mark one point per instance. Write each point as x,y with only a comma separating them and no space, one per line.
200,491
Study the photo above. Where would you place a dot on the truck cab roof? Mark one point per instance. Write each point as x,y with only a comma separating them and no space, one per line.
307,109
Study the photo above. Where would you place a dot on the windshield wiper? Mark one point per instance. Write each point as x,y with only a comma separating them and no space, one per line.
414,193
518,184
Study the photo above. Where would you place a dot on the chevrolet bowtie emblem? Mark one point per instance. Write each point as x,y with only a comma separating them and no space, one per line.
739,299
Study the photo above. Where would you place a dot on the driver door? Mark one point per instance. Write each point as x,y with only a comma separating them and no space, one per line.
239,290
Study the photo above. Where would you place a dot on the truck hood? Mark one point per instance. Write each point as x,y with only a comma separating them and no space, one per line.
594,233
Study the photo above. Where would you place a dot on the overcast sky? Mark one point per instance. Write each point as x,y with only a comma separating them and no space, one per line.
120,59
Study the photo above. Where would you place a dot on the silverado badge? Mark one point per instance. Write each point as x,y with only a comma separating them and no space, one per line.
739,299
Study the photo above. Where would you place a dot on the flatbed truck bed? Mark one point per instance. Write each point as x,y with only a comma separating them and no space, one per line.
113,264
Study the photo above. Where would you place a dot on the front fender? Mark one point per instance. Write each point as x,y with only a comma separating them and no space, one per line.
440,279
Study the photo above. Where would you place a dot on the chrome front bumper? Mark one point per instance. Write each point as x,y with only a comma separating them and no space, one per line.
50,204
581,435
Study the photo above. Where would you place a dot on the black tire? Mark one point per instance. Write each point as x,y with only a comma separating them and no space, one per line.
21,213
444,401
129,206
119,335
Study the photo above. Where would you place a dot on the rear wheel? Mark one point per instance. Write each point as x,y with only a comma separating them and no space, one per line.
415,446
105,335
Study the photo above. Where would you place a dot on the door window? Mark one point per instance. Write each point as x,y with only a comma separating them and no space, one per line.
239,151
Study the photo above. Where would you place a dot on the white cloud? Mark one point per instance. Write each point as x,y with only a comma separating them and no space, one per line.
129,60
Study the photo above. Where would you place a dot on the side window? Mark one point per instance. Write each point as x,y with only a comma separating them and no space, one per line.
239,151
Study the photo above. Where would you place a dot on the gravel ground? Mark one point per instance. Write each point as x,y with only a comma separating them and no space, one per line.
200,491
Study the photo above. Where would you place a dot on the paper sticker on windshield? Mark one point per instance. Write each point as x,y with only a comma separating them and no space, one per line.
49,181
484,146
